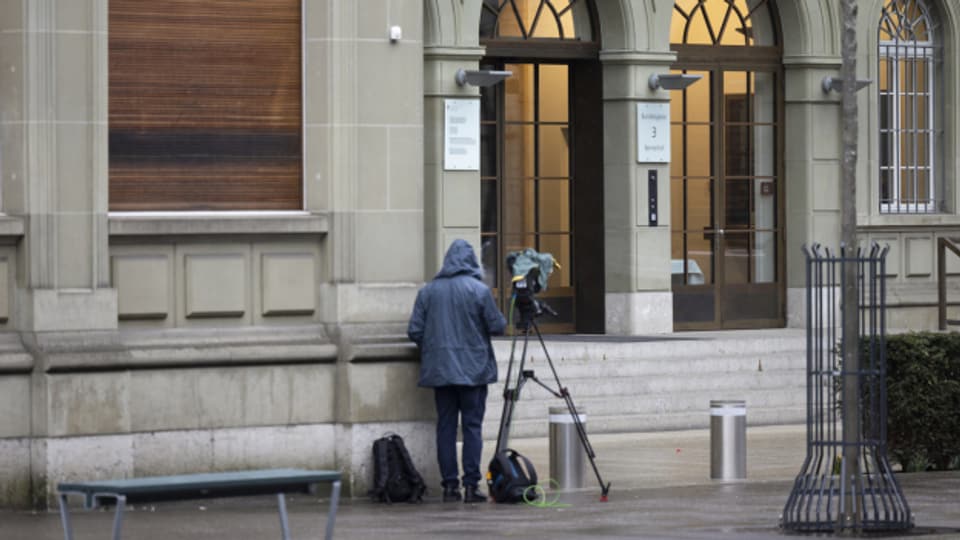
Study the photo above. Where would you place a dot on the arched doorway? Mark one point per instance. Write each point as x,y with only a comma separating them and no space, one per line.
726,169
541,153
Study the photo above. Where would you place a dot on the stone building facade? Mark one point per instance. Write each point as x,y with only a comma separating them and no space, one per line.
150,332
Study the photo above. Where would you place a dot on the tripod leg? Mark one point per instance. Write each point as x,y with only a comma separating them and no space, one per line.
587,447
513,349
506,412
510,396
581,431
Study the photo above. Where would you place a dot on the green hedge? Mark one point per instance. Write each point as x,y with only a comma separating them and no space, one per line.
923,400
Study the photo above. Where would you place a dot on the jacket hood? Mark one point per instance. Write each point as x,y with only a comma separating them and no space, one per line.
460,259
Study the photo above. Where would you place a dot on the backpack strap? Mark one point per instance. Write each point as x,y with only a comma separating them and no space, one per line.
419,487
531,472
381,469
500,485
503,459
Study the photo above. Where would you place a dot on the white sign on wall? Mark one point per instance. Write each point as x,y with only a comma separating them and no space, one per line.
653,132
461,135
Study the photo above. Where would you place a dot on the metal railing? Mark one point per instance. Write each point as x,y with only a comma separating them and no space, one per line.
943,244
846,483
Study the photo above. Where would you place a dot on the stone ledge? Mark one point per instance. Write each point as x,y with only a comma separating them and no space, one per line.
398,351
14,358
14,363
198,356
11,229
110,351
441,52
385,342
217,223
64,352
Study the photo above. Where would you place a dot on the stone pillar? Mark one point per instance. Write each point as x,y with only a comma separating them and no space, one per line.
364,167
638,297
61,187
811,171
364,163
55,182
451,198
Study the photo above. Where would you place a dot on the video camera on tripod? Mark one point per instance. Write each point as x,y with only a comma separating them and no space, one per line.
511,477
530,271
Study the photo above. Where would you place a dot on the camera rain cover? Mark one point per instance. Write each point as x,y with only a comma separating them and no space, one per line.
521,262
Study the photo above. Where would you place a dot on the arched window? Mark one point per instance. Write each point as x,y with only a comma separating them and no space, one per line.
737,23
909,107
534,19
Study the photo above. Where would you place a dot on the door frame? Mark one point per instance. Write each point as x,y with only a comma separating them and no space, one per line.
719,59
586,162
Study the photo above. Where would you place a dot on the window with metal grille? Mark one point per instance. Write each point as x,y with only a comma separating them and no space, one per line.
908,107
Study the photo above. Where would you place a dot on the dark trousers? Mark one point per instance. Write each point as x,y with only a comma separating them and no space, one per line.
467,404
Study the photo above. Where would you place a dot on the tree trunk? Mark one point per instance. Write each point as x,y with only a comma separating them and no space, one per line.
849,249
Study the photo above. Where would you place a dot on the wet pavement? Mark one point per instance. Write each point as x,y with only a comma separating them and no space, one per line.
660,489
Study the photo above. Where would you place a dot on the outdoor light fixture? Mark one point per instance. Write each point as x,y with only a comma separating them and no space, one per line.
836,84
672,81
481,77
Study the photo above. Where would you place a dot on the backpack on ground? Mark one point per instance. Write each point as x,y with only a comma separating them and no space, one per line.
395,479
510,477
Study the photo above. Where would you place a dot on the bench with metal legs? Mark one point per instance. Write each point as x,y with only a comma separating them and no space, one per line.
199,486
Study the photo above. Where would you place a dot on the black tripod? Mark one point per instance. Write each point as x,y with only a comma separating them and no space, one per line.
529,309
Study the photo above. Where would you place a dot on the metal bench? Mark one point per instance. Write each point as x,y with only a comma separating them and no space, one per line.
199,486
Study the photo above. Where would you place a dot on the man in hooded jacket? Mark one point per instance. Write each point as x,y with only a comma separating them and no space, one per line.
453,319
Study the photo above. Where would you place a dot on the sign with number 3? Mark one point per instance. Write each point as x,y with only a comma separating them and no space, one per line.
653,132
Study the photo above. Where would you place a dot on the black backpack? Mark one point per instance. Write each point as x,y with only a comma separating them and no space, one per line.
510,476
395,479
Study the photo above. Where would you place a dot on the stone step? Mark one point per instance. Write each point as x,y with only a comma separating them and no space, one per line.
613,367
680,402
693,345
663,384
657,382
635,423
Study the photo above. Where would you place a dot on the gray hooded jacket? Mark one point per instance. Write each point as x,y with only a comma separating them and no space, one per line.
453,319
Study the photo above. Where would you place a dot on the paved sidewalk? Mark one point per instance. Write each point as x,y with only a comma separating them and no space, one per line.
661,489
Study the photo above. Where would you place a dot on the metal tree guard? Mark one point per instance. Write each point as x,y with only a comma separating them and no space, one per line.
834,493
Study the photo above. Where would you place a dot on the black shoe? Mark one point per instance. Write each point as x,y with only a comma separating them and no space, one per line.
473,495
451,494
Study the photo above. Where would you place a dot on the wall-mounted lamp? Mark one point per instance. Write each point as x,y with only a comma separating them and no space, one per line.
672,81
481,77
836,84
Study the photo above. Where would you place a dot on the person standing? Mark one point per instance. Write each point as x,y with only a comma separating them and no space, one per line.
452,321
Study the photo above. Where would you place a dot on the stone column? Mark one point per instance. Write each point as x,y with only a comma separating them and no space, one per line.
451,198
54,168
364,166
811,170
638,297
61,187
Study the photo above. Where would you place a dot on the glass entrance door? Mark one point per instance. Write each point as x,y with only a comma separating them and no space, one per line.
527,181
726,168
725,196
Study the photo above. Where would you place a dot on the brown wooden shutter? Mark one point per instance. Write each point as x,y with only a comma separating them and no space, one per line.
205,104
